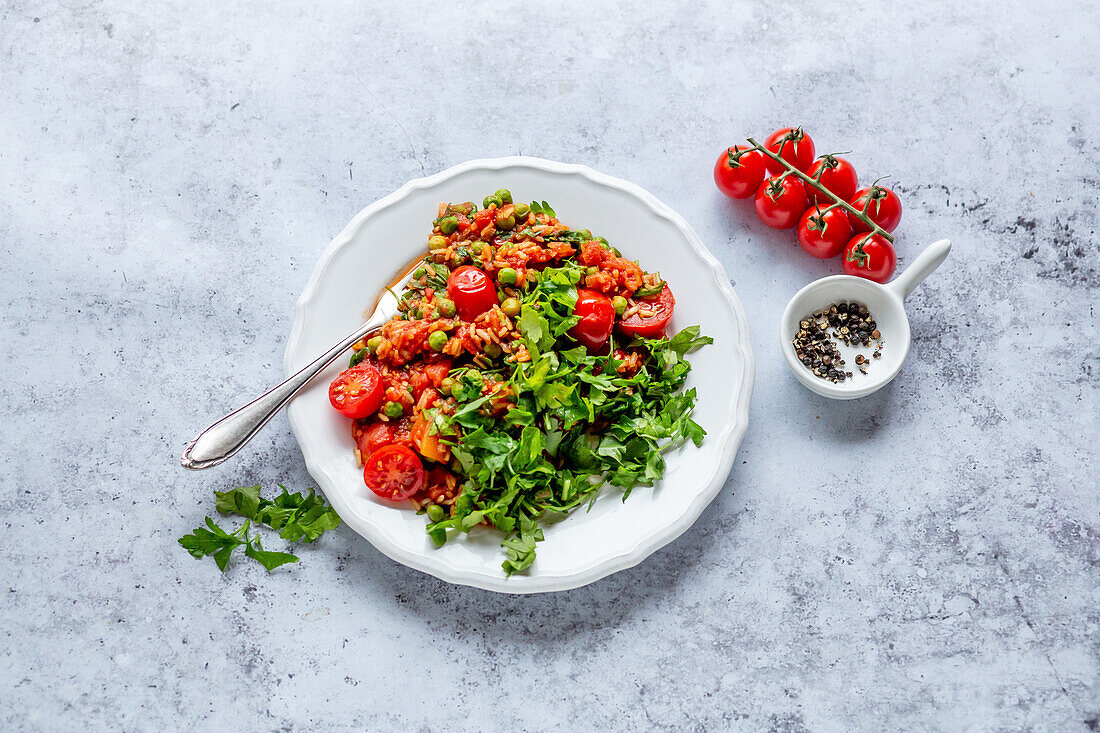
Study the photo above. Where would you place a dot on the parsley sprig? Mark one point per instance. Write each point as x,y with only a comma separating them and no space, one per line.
299,517
577,424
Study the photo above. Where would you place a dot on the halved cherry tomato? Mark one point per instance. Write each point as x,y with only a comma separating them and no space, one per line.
357,392
823,232
374,436
472,291
739,171
837,175
597,319
660,305
393,472
793,145
869,256
884,208
426,443
780,202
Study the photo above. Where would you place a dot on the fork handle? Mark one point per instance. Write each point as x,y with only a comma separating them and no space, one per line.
221,440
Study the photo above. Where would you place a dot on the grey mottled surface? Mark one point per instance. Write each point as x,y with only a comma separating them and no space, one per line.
926,558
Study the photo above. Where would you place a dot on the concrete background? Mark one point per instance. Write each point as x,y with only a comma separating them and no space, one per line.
923,559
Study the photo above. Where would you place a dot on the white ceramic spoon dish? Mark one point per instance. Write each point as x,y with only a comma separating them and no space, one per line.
887,306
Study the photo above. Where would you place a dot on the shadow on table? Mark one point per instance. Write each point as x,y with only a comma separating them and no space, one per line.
845,421
538,618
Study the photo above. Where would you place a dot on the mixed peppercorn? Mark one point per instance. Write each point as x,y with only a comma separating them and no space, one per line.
851,324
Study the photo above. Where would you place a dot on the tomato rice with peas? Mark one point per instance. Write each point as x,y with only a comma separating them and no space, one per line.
468,327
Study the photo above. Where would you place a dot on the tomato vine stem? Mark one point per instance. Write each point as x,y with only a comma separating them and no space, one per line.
853,211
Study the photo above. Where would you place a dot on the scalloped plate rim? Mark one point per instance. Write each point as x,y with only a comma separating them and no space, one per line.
730,438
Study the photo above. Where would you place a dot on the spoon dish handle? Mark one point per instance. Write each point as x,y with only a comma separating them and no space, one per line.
927,261
228,435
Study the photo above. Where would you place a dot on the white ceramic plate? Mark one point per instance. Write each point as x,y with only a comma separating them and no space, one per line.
586,546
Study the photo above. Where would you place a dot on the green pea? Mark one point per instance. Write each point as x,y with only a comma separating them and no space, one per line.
522,210
437,340
510,306
620,304
435,512
507,276
504,195
447,385
492,350
448,225
393,409
438,241
474,379
491,200
446,307
504,223
373,343
419,272
458,391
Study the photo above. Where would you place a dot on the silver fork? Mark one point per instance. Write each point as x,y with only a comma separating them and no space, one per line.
228,435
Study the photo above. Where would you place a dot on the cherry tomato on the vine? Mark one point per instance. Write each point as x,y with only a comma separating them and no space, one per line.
794,146
837,175
870,256
393,472
597,318
739,171
823,232
357,392
472,291
884,208
780,201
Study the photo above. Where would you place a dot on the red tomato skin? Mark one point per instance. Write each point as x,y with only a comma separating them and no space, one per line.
374,437
597,319
824,235
356,392
781,204
655,325
740,177
799,152
840,179
379,434
876,261
393,472
438,371
472,291
885,209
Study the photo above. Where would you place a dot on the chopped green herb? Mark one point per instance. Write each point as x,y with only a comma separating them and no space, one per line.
301,518
578,424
